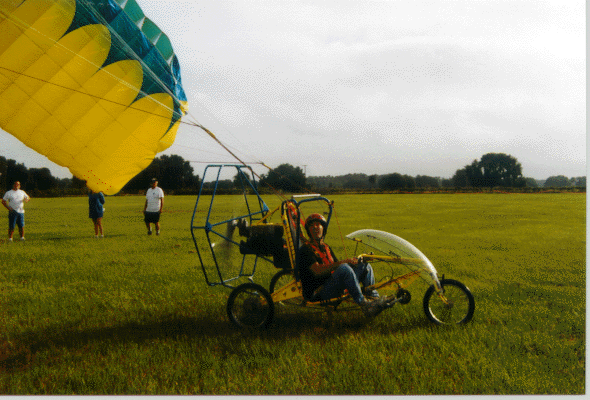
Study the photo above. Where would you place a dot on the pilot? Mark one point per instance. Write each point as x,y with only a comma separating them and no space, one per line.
324,277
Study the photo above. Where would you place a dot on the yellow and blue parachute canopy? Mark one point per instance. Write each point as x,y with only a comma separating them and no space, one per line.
93,85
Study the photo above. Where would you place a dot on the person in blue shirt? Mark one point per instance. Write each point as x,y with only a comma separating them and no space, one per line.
96,211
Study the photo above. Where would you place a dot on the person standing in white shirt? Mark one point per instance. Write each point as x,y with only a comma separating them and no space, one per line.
154,203
14,201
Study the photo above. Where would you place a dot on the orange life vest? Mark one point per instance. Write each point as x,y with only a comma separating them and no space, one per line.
322,252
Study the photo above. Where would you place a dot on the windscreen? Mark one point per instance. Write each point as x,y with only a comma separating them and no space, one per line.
389,244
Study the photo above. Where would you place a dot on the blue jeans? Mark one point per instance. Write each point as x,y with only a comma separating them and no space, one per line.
15,218
350,278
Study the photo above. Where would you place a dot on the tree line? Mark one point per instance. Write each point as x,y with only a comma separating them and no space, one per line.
176,175
493,170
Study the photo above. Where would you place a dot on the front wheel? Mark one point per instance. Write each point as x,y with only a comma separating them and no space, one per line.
250,306
455,305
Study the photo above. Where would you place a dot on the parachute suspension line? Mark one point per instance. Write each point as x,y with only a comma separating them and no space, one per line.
276,191
339,230
226,147
216,162
212,135
25,26
84,93
145,69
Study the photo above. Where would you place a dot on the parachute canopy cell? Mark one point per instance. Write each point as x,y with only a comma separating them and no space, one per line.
93,85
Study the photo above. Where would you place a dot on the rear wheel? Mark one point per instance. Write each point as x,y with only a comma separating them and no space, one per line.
250,306
456,306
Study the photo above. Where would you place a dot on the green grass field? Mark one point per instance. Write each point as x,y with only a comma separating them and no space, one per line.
131,313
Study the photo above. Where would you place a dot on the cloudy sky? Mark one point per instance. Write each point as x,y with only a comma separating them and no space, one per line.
409,86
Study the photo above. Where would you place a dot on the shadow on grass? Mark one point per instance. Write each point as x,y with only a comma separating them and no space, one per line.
21,352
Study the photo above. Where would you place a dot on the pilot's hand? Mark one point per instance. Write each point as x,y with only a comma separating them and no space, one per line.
351,261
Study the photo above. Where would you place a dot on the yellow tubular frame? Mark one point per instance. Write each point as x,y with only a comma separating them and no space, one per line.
294,290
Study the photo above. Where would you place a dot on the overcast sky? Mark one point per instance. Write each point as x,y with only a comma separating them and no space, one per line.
408,86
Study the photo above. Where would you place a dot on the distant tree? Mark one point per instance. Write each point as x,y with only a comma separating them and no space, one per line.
409,182
446,183
223,184
239,180
474,174
573,182
460,178
78,183
16,172
142,180
557,181
390,181
423,181
3,173
285,177
355,184
40,179
494,169
172,172
318,182
63,183
580,181
501,170
372,180
354,181
176,173
396,181
531,182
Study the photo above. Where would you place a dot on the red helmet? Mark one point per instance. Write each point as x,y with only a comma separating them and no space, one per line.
316,217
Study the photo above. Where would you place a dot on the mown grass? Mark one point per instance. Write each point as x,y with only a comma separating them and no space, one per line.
131,314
